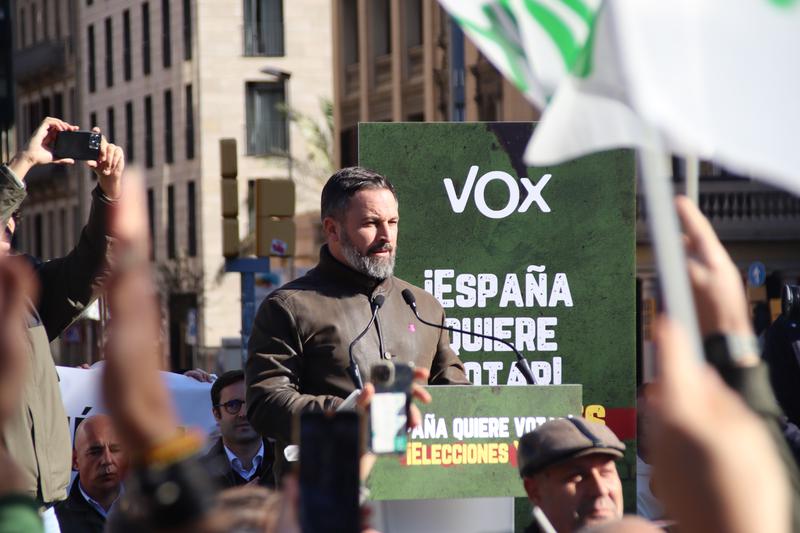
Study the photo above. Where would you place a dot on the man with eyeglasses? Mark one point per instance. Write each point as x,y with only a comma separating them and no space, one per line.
567,467
239,456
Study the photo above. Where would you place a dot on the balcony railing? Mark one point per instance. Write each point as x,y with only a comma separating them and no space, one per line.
44,59
415,61
383,70
351,79
740,210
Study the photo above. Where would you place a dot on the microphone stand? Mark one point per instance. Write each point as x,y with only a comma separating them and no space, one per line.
522,363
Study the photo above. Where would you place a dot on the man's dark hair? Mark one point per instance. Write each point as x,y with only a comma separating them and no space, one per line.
228,378
344,184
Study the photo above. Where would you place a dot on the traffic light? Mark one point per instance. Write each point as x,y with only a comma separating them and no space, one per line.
230,197
275,228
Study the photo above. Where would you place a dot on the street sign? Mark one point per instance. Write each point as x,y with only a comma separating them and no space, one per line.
756,274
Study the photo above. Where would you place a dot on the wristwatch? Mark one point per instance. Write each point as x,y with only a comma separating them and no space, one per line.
727,350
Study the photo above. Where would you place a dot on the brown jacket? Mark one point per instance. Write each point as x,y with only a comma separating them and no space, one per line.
37,434
298,352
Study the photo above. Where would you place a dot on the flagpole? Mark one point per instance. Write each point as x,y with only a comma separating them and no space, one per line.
665,233
692,175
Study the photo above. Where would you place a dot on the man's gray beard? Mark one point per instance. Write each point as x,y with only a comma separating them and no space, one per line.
372,266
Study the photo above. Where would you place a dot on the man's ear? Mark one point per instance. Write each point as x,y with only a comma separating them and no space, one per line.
74,460
216,413
532,489
331,229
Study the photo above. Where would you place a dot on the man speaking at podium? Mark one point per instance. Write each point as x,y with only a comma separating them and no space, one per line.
298,354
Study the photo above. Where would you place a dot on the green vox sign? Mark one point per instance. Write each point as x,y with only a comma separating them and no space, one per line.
466,446
543,257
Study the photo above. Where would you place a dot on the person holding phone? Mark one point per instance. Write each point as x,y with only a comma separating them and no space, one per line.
36,435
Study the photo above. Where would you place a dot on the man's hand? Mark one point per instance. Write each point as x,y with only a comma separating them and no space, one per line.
39,150
715,466
417,391
198,374
716,283
109,167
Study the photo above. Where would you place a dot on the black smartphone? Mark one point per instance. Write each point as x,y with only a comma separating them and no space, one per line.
77,145
329,477
388,410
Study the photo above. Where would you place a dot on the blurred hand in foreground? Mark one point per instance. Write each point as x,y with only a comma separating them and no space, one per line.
716,467
134,394
717,285
17,288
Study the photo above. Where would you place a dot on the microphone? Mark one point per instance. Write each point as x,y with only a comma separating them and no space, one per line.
355,372
522,363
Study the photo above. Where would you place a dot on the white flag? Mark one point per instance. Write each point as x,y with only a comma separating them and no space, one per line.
533,43
716,78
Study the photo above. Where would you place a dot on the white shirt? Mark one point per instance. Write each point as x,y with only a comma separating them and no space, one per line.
646,504
236,463
96,505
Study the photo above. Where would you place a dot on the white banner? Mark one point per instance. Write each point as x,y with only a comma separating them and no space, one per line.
80,391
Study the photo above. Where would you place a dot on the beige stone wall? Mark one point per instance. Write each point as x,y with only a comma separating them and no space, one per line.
218,72
222,74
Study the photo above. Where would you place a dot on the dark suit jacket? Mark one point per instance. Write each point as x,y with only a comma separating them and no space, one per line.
223,476
76,515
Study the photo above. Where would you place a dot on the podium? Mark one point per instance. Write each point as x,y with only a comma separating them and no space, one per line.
460,470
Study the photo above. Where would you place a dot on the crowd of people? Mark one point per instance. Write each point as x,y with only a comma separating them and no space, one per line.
715,440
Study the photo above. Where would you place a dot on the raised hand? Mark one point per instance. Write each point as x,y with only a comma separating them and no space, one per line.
39,150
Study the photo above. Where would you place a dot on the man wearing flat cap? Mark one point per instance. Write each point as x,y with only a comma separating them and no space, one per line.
567,467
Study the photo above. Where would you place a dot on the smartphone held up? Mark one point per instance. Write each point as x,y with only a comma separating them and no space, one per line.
77,145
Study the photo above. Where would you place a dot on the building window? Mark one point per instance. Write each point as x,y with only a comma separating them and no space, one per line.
34,116
166,39
38,233
350,31
91,55
92,123
23,34
46,20
111,127
57,18
77,223
148,132
51,235
146,38
129,138
187,29
382,32
126,45
263,28
62,226
44,104
70,22
189,122
151,221
35,23
109,54
58,105
169,154
266,119
413,22
192,219
170,222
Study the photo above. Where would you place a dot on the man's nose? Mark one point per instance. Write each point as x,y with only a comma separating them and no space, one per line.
107,457
596,483
384,231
